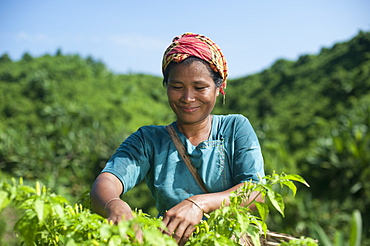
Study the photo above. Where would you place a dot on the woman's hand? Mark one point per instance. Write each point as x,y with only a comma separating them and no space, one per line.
117,210
181,219
105,201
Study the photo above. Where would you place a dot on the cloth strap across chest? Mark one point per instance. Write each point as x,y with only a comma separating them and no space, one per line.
185,157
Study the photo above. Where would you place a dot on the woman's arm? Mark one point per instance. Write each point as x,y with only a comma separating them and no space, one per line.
212,201
181,219
105,198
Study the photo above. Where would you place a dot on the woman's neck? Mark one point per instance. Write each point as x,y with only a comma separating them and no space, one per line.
196,133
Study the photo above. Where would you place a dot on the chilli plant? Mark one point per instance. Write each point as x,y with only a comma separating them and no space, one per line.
49,219
237,225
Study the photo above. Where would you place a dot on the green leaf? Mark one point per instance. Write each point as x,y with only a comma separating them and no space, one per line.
276,200
323,237
356,229
71,242
262,209
39,209
338,239
296,177
253,232
4,200
105,231
58,209
115,240
122,230
291,186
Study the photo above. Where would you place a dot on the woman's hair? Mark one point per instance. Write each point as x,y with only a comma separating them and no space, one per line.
217,79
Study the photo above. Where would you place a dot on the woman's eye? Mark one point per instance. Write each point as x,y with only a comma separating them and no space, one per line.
176,87
200,88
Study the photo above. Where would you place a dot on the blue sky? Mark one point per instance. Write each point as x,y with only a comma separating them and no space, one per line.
131,36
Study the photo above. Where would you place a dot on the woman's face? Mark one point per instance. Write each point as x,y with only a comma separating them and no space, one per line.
191,92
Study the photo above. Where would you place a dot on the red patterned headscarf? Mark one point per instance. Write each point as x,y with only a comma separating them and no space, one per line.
190,44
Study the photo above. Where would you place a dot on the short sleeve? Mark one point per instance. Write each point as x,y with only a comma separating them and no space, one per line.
248,160
130,162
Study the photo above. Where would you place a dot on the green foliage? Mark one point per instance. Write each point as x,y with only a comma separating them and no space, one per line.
49,219
355,233
340,162
232,223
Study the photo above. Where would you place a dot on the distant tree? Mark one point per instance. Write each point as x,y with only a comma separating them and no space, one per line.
5,58
27,57
59,52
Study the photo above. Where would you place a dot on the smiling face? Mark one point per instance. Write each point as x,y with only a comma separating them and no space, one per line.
191,92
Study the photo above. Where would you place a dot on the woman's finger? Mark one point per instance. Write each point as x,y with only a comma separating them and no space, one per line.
186,235
180,230
171,224
115,219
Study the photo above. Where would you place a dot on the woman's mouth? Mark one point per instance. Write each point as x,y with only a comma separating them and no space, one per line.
189,109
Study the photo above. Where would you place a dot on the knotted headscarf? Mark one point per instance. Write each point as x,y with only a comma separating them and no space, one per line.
190,44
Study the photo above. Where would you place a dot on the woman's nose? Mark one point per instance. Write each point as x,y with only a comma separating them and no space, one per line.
187,96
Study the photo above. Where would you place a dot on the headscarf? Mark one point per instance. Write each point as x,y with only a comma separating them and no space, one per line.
190,44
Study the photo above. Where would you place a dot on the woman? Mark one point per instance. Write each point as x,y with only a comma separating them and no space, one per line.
223,149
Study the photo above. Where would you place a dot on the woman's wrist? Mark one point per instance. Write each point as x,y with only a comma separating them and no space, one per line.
202,202
195,203
111,200
115,205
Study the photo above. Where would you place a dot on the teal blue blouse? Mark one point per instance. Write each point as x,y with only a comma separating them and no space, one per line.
231,155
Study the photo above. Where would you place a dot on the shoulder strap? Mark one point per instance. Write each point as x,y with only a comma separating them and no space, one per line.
185,157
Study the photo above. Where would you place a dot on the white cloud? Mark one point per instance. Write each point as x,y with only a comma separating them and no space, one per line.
39,38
